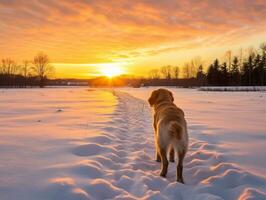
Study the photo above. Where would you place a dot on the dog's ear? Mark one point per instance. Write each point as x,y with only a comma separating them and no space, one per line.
153,97
172,96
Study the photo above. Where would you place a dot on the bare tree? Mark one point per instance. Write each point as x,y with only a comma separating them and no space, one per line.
190,68
2,67
25,71
8,67
25,68
186,71
195,64
229,58
154,74
241,57
176,72
42,67
167,71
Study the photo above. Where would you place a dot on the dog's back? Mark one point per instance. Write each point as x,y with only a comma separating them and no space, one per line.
171,126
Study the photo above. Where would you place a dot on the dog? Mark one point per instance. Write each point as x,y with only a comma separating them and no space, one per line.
170,131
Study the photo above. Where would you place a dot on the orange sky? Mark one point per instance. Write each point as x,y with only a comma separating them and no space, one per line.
81,35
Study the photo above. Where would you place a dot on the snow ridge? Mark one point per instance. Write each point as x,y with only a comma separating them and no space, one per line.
119,164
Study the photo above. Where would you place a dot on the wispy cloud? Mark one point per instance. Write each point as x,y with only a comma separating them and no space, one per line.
84,31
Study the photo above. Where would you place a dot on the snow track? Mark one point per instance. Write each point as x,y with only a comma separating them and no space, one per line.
115,159
121,164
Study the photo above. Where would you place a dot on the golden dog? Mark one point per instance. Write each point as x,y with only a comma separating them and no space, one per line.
170,130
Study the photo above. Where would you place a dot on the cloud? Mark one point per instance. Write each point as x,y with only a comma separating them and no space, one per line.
100,31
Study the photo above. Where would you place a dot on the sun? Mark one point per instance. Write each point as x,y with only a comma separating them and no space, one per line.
111,70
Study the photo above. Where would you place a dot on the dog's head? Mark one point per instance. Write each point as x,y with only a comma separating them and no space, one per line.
160,95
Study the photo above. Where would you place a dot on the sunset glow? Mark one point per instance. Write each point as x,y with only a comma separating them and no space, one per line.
143,34
111,70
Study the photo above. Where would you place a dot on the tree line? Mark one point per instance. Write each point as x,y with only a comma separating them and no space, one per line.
26,74
235,71
247,71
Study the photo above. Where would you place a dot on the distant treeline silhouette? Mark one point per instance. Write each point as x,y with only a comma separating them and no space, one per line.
236,71
249,70
27,74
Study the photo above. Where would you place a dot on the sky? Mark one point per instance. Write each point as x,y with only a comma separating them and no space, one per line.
82,36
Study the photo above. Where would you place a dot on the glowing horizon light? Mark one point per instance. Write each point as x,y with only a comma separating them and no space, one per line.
111,70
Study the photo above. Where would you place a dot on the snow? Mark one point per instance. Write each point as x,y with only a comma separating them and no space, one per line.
233,122
79,143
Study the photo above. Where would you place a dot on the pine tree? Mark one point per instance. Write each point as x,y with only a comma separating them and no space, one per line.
214,74
256,70
201,76
250,69
235,73
225,74
217,72
210,75
263,64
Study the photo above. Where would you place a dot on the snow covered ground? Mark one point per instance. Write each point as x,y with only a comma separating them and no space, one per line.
80,143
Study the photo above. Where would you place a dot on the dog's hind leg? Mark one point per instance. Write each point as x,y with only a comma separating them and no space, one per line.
157,153
179,168
158,157
172,155
164,164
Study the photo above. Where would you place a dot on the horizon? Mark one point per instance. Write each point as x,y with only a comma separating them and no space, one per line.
83,37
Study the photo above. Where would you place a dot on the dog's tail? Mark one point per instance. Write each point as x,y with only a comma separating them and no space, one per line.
175,130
